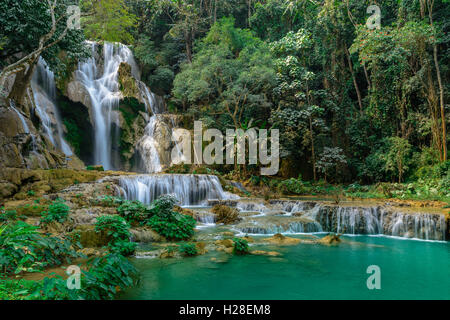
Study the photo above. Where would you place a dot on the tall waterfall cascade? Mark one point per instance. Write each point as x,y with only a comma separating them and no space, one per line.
100,77
103,88
44,93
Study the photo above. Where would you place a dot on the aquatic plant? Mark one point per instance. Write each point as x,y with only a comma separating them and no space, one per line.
240,246
188,249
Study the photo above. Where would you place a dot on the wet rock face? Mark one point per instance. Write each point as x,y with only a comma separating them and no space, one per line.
22,145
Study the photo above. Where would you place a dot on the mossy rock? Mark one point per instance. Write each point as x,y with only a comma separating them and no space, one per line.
89,238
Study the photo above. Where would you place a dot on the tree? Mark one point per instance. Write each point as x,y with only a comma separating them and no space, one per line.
33,28
397,158
111,21
330,159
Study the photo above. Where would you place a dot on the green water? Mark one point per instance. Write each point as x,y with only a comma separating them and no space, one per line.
409,270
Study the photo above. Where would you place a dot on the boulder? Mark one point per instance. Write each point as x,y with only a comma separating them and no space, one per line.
89,238
279,239
266,253
145,235
227,243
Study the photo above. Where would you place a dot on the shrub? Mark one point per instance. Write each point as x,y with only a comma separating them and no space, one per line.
163,206
57,211
23,248
31,193
6,215
225,214
115,226
174,227
167,222
108,201
103,279
134,211
117,229
123,247
293,186
240,246
188,249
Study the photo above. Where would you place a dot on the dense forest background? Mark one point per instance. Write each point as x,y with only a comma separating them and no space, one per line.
352,103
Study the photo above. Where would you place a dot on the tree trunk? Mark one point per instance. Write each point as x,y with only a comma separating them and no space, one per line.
21,83
441,88
358,93
312,149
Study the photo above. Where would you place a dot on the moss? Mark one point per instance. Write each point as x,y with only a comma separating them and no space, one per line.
80,133
130,107
73,136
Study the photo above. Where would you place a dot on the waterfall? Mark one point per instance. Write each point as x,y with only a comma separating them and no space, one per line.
21,117
379,220
103,88
44,93
280,216
147,147
189,189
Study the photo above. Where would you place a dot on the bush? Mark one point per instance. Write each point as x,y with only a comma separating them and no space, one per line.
173,227
240,246
123,247
188,249
23,248
163,206
134,211
105,277
293,186
116,227
225,214
6,215
57,211
107,201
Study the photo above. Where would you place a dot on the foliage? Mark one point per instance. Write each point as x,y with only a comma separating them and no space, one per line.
163,206
73,136
173,227
330,159
111,21
292,186
104,278
22,248
115,227
25,21
57,211
188,249
134,211
240,246
397,158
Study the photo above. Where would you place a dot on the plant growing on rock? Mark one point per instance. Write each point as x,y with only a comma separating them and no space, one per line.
240,246
225,214
167,222
57,211
134,211
188,249
117,229
174,227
